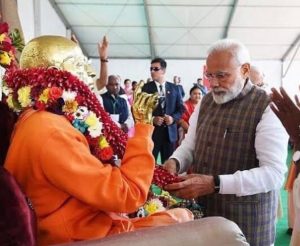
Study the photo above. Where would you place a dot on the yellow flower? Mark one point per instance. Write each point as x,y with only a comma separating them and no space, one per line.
2,37
10,102
103,143
24,96
44,96
70,107
92,119
154,205
5,58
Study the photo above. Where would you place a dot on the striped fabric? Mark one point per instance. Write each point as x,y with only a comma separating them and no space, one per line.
225,144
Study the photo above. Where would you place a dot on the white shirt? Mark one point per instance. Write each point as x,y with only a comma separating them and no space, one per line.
163,87
271,141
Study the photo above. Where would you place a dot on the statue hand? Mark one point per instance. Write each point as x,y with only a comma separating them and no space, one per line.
143,105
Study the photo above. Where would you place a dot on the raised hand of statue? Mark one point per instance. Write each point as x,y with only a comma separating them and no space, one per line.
143,105
288,112
102,48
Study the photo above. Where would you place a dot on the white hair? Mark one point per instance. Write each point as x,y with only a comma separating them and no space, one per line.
235,47
257,69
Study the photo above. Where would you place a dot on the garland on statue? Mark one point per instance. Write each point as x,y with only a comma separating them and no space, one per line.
62,93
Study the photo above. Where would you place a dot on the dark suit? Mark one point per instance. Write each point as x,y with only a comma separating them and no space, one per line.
181,90
165,137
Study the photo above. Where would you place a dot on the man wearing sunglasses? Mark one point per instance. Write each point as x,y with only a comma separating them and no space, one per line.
168,112
237,147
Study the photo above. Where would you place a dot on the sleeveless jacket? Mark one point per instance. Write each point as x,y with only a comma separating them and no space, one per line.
225,144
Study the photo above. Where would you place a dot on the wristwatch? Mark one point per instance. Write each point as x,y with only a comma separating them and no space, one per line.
217,183
296,156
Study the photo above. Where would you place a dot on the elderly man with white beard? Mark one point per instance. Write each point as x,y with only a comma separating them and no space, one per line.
235,146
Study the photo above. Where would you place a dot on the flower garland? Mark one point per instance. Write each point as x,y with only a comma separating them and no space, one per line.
62,93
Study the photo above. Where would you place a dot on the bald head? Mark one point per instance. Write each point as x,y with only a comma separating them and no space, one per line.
113,85
256,76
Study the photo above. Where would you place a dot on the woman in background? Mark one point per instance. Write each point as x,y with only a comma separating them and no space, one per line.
189,105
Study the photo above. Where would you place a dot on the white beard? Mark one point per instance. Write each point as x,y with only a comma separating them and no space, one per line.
227,95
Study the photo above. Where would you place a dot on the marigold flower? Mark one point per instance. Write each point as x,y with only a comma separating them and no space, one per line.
24,96
10,102
5,59
44,96
70,107
2,37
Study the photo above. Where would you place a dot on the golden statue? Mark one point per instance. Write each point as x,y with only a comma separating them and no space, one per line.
64,54
58,52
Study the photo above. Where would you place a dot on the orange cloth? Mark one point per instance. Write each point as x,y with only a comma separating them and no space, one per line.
72,191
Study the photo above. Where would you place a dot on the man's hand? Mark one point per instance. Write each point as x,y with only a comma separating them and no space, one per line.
170,166
192,186
74,39
143,105
102,48
168,120
288,112
158,120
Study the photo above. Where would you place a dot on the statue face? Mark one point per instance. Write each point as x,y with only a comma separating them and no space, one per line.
76,65
58,52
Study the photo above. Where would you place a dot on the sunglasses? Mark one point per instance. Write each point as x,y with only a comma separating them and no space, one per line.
155,69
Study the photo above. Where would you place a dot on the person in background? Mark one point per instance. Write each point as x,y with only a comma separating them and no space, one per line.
289,115
176,81
168,111
116,105
128,90
236,146
257,77
190,104
134,84
202,87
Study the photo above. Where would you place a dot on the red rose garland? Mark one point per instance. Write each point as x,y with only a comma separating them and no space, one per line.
38,80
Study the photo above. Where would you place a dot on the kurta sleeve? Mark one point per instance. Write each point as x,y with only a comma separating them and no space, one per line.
68,164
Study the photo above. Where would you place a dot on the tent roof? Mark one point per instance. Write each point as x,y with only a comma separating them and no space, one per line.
183,29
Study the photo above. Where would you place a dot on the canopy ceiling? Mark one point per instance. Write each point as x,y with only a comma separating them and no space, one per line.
183,29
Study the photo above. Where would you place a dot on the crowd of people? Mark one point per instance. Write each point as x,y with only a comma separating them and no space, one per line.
228,143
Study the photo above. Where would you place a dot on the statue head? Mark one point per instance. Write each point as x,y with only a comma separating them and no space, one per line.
58,52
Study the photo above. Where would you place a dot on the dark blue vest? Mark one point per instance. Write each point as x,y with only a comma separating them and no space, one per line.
115,105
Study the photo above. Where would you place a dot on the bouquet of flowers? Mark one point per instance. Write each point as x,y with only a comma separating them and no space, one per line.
9,43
